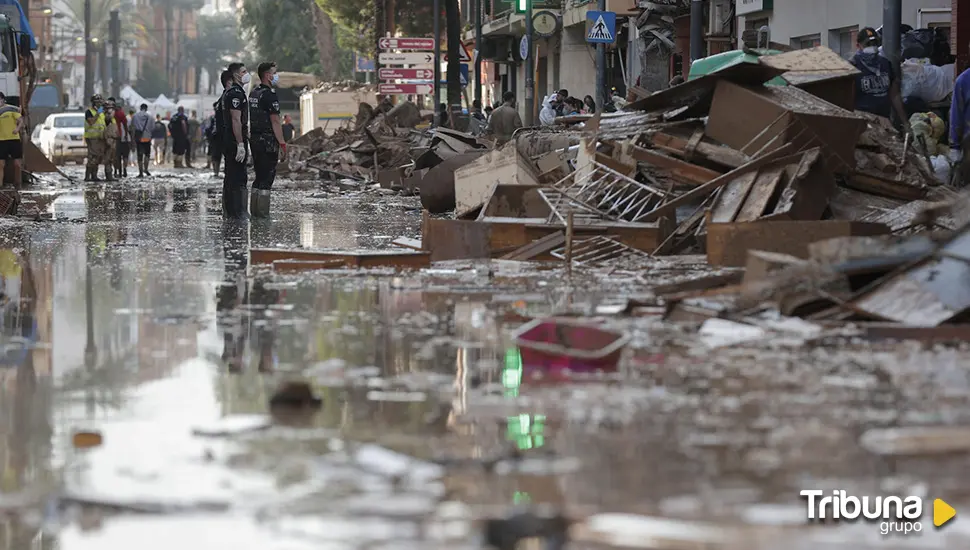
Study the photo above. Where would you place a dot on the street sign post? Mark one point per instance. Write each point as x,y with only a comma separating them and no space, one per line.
405,89
600,27
411,58
389,43
406,74
462,54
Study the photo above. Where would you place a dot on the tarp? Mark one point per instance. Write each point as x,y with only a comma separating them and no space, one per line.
162,102
7,7
721,61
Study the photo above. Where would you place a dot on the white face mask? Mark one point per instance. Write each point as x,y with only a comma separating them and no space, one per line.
246,78
275,80
870,49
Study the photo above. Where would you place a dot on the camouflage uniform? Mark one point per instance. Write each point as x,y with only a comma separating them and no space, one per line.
111,147
96,150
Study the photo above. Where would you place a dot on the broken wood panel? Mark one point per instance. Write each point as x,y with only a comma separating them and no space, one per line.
350,258
597,188
762,263
732,197
885,187
728,243
684,171
763,192
516,201
695,284
717,154
809,189
546,244
670,207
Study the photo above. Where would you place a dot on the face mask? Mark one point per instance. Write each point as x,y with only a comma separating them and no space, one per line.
246,78
870,49
100,110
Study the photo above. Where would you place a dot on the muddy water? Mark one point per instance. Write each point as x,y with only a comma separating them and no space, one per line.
146,324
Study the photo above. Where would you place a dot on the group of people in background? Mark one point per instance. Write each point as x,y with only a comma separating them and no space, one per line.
111,136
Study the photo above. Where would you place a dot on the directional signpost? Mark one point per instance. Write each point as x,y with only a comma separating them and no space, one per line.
424,44
406,74
418,70
411,58
405,89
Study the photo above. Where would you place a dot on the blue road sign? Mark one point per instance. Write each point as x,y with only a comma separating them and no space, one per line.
600,27
364,64
463,69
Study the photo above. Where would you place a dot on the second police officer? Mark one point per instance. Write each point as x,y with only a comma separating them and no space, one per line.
266,137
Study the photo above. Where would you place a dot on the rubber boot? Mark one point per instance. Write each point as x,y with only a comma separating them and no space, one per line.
107,173
87,173
177,161
147,162
259,203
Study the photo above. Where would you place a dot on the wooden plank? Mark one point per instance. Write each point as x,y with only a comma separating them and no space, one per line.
728,243
685,171
670,207
718,154
732,197
406,242
884,187
350,258
290,266
762,192
546,244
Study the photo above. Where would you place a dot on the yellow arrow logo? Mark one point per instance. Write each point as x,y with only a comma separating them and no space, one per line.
942,512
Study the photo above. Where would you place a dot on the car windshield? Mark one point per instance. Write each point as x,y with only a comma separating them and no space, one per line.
45,95
36,133
69,122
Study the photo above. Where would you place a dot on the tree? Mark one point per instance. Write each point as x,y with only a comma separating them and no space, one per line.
284,32
217,40
356,19
152,80
134,25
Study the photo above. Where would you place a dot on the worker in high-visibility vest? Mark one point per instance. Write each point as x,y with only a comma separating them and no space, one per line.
94,126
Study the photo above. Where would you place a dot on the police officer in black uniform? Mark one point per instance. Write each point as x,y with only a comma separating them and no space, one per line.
218,128
266,139
235,116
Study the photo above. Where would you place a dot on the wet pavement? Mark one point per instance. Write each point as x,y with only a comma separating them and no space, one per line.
135,314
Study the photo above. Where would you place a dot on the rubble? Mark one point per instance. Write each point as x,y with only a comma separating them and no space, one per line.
822,212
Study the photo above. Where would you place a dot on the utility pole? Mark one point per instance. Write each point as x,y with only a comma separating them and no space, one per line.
437,61
696,30
530,67
892,19
453,25
88,65
478,50
600,67
114,31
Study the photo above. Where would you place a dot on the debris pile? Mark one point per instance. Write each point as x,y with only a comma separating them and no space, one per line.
759,164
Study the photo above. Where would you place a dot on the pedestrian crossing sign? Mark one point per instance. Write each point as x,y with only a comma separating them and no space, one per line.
600,27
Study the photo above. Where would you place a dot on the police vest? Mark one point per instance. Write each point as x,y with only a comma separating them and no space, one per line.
259,122
94,129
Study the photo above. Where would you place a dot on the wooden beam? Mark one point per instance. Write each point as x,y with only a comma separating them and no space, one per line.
690,173
718,154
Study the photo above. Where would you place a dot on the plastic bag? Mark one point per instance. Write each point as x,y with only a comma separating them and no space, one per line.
918,44
941,168
926,81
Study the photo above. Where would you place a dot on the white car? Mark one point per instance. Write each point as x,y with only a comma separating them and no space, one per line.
62,137
35,136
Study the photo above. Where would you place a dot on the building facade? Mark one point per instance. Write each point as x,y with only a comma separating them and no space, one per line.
833,23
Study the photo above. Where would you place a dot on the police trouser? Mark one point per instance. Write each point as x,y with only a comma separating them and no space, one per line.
234,199
265,157
215,151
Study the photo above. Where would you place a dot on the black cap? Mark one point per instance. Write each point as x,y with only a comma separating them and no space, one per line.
867,36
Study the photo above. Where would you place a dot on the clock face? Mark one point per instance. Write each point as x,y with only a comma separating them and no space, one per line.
545,23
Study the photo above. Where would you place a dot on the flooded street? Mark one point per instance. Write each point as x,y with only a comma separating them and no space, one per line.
142,350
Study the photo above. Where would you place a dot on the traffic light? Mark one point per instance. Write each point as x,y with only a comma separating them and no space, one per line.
521,6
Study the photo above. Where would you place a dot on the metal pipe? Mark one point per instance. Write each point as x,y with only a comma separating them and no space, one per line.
530,68
892,19
601,96
437,61
478,50
696,30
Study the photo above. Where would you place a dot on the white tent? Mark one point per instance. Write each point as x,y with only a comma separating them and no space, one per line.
163,103
132,97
